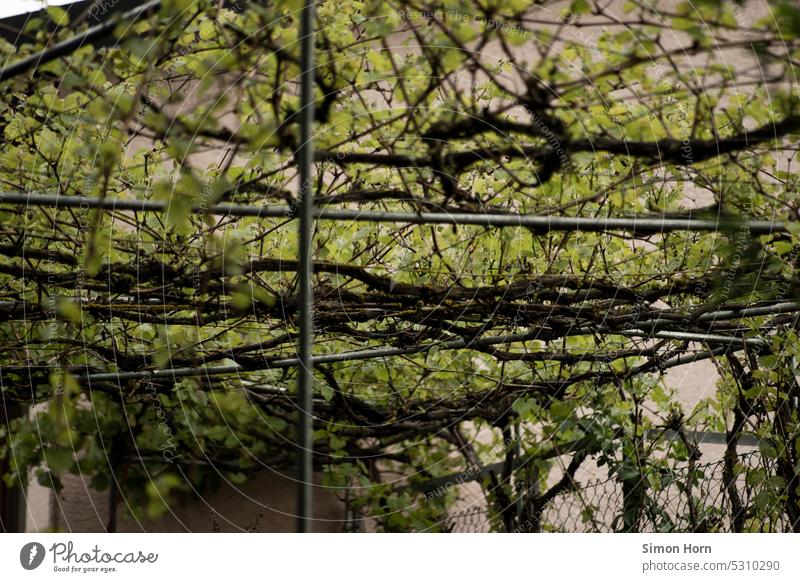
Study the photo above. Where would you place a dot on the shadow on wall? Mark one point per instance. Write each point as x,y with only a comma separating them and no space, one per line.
266,503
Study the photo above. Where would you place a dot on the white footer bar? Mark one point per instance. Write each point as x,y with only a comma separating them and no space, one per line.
400,557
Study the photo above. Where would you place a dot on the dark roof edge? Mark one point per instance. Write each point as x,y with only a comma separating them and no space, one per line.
82,12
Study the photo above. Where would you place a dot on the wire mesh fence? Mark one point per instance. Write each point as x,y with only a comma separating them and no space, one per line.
594,505
666,503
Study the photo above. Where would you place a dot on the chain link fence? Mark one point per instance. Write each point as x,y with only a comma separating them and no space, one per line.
664,504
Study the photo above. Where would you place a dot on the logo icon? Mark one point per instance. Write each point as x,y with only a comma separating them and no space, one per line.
31,555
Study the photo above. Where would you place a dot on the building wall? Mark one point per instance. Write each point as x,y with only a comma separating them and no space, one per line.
263,504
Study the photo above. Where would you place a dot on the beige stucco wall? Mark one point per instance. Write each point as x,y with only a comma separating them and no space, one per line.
263,504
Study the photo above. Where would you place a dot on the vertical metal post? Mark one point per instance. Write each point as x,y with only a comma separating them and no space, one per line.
305,158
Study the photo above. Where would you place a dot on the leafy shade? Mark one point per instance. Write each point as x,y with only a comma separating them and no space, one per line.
467,106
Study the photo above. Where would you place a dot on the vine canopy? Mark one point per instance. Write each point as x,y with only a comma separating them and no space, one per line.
536,351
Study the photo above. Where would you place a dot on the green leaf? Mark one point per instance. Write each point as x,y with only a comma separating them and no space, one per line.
767,449
523,406
58,15
69,310
237,478
58,460
560,410
788,18
580,7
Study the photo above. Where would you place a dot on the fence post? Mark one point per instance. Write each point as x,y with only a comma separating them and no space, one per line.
305,154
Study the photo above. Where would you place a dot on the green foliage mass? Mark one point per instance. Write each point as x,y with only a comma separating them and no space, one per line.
465,106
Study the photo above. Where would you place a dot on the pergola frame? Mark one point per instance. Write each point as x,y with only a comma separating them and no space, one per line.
307,214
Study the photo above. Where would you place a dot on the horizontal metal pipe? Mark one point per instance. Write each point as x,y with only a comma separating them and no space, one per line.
702,437
446,482
694,337
647,225
556,223
717,316
682,359
726,314
370,354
